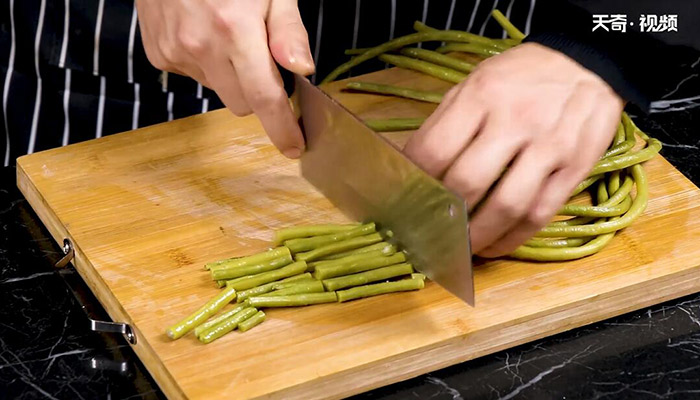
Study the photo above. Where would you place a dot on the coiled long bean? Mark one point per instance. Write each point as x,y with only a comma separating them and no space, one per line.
473,48
439,59
408,93
434,70
418,37
512,31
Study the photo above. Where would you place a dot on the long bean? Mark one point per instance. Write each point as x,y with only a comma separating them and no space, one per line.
380,288
202,314
356,257
439,59
221,318
268,255
397,43
512,31
346,268
586,183
306,244
226,273
628,159
366,277
310,230
624,146
558,243
408,93
394,124
299,288
474,48
252,322
294,300
470,37
570,253
252,281
386,247
338,247
434,70
638,205
227,325
268,287
562,253
597,211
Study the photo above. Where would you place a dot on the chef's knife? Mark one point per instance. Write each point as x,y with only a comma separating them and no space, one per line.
369,179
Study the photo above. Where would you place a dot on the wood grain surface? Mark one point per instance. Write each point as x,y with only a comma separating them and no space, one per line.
146,209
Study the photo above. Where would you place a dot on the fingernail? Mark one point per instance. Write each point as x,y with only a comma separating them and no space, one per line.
302,57
292,152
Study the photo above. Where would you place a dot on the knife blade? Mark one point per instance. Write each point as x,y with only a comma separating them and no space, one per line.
369,179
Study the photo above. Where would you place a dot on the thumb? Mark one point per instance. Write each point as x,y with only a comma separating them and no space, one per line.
287,38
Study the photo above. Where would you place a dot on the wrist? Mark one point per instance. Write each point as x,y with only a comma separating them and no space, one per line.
595,59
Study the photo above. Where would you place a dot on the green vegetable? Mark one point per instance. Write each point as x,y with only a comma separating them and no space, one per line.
356,257
227,325
397,43
196,318
268,287
386,247
352,267
637,207
556,243
226,273
252,322
310,230
439,59
628,159
418,276
474,48
338,247
394,124
255,259
420,95
434,70
306,244
294,300
366,277
512,31
500,44
297,288
380,288
221,318
252,281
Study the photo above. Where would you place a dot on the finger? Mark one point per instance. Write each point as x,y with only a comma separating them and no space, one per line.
484,159
445,134
288,40
223,80
593,130
513,196
263,88
554,193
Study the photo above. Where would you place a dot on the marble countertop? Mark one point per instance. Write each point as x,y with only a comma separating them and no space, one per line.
47,350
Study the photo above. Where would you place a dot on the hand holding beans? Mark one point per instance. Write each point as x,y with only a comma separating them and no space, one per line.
531,115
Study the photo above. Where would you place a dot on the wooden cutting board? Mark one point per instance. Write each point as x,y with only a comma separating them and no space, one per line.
146,209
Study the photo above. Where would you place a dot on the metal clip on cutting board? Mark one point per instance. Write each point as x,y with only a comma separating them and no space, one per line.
369,179
96,324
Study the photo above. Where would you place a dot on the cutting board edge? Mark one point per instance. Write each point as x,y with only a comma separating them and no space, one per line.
417,362
98,287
